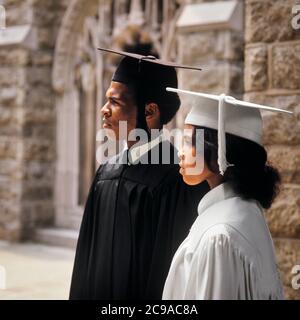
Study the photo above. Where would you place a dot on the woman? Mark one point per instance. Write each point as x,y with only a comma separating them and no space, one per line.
229,252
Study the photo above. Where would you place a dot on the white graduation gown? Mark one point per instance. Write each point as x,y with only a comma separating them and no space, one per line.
228,253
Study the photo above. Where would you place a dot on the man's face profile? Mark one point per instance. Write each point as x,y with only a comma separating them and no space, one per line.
120,106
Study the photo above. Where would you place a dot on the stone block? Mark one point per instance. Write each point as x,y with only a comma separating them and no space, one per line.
9,148
40,75
11,232
18,14
288,255
33,191
9,211
42,58
44,211
36,149
36,214
39,117
256,68
45,38
8,3
269,21
287,160
62,4
11,96
7,115
215,77
41,131
14,57
11,168
10,190
197,48
39,171
279,129
10,121
39,113
284,215
41,98
236,79
211,79
284,65
12,76
44,15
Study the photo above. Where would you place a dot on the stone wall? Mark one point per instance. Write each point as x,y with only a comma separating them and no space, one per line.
27,120
272,76
218,49
269,62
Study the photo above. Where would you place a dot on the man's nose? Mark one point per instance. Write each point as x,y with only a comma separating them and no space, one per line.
105,111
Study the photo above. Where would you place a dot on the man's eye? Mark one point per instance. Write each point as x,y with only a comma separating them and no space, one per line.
116,103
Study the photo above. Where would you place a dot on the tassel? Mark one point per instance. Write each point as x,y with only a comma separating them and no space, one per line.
222,161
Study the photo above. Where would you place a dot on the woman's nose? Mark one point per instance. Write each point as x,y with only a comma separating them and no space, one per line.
180,155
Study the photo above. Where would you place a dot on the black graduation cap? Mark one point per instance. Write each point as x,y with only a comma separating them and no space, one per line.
149,58
149,76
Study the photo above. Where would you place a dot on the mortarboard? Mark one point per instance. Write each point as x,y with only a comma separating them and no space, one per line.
149,58
227,115
149,76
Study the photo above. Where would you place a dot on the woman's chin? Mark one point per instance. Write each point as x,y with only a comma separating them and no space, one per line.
190,179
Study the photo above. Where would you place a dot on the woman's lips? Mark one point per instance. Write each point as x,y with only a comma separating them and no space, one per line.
181,171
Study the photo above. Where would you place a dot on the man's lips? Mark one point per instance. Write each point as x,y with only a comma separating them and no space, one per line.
106,124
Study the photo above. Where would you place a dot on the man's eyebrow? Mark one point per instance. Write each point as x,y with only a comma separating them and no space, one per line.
113,97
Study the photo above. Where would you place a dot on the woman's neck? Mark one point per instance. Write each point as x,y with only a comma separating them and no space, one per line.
214,180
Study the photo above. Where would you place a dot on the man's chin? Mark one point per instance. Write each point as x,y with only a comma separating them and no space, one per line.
110,133
106,126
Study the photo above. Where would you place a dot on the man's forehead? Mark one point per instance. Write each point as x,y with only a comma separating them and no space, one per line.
118,90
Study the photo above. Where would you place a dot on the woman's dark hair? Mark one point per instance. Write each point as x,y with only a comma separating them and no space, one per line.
251,176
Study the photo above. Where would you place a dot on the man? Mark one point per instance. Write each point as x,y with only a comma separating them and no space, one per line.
136,215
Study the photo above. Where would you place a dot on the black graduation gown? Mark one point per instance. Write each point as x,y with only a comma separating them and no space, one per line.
135,218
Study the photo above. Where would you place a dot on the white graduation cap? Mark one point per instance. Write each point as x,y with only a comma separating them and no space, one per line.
227,115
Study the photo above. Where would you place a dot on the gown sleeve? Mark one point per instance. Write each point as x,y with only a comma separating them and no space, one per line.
220,270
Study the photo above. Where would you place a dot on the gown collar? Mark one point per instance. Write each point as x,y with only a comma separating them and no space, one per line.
221,192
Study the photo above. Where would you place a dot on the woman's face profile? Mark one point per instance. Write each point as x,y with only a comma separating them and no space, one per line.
192,165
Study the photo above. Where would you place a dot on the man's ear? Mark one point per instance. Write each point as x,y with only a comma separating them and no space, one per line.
152,111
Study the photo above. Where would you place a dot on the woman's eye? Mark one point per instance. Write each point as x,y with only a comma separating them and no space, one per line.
187,141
